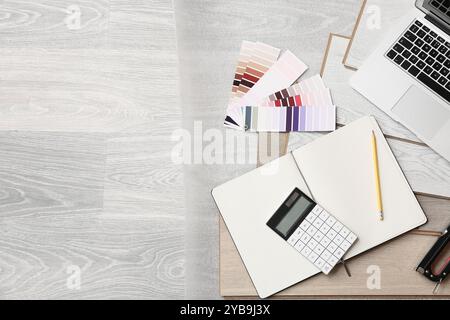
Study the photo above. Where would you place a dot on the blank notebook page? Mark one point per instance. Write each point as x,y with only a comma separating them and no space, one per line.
339,170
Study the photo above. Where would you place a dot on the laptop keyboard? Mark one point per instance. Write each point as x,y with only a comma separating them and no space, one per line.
425,55
442,5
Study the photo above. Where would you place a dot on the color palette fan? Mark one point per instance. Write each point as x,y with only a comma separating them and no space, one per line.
267,94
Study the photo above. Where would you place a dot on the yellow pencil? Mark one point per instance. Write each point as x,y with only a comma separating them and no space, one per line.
377,175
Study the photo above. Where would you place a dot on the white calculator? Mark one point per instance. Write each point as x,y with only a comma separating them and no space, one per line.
312,231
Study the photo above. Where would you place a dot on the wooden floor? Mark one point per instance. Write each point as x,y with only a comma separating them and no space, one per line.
86,179
87,111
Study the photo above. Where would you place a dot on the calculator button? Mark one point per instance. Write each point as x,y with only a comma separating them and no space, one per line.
317,210
325,255
344,232
318,236
325,241
305,225
311,230
330,221
337,226
332,261
331,234
306,251
319,263
332,247
351,237
338,240
345,245
305,238
319,249
312,257
324,215
312,244
310,217
317,223
326,268
299,246
325,228
292,240
298,232
338,253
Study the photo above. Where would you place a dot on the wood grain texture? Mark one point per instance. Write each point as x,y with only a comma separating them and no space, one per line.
426,171
86,176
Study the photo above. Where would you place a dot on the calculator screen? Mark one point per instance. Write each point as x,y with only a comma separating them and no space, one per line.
299,209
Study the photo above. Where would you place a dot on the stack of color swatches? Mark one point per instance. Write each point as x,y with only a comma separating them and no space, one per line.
267,96
288,119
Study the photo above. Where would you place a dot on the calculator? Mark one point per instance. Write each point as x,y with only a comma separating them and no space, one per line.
312,231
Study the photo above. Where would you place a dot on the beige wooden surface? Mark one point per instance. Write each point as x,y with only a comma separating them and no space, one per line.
396,260
426,171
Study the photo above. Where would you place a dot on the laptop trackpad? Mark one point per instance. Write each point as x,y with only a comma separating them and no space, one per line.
420,112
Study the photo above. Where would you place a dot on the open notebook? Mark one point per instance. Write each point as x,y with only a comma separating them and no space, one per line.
337,172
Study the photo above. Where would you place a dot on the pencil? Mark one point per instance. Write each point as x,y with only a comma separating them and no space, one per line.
377,176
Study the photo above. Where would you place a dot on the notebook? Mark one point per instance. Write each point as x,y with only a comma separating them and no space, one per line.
336,171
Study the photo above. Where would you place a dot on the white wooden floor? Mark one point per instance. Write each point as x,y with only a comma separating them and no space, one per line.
86,117
86,181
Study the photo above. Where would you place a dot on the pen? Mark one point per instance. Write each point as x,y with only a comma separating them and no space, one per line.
377,176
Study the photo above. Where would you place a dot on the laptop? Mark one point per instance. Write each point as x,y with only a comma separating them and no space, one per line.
408,75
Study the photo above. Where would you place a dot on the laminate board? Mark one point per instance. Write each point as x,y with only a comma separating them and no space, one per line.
98,91
143,25
116,258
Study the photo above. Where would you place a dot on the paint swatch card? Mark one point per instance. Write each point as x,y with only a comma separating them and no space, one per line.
254,61
312,84
245,54
288,119
320,97
244,57
281,75
263,57
266,97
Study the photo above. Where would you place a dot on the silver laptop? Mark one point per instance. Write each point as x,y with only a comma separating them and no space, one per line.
408,75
